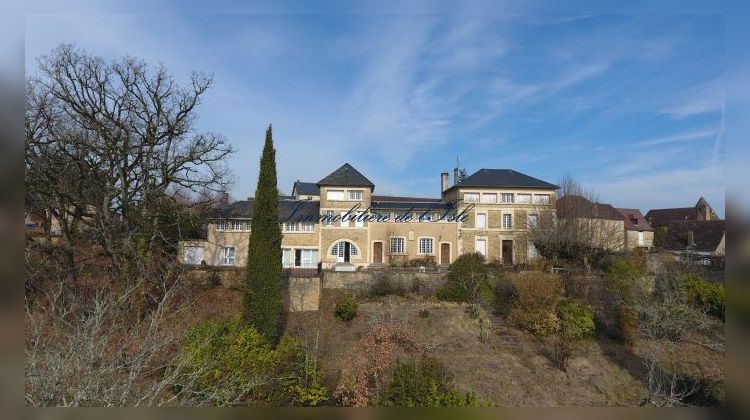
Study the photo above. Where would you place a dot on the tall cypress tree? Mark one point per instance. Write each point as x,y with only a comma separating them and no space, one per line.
262,298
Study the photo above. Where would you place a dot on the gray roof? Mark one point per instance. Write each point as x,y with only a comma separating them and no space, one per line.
346,176
416,205
305,188
244,209
707,235
503,178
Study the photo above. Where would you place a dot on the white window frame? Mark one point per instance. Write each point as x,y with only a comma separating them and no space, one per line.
226,259
307,227
337,251
329,217
333,195
356,195
523,198
359,223
422,248
509,217
489,198
291,227
507,198
222,225
531,251
541,199
484,248
473,199
398,243
641,238
483,218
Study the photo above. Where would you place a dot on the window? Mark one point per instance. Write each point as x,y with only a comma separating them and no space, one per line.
329,217
481,247
641,241
489,198
532,251
507,197
193,255
286,257
358,222
291,226
523,198
541,199
533,220
222,225
308,258
339,249
239,225
227,255
344,223
471,197
481,221
425,245
507,221
308,227
355,195
397,246
336,195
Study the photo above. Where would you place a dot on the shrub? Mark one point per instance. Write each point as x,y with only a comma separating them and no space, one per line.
426,261
576,321
562,350
385,285
707,296
423,384
503,294
225,363
627,323
622,279
424,313
534,304
466,280
346,308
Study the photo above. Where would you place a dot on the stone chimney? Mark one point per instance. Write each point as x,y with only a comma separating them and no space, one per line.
444,181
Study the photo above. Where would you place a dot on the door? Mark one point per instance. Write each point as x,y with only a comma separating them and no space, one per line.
445,253
640,239
347,251
377,252
507,252
481,247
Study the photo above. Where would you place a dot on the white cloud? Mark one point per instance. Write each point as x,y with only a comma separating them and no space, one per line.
681,137
701,99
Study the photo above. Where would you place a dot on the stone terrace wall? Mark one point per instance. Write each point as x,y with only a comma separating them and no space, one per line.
360,282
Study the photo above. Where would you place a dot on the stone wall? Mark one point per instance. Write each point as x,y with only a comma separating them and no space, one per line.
360,282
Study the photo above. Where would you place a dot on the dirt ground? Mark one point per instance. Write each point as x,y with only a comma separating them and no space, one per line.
505,369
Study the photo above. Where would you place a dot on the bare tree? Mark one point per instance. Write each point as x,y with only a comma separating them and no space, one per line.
111,145
579,228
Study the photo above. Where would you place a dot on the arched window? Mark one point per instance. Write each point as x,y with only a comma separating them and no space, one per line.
339,249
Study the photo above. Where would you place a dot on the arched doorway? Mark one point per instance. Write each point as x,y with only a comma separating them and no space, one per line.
344,251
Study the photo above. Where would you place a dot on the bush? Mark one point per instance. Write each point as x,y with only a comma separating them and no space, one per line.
576,321
467,279
504,293
427,262
346,308
424,313
423,384
385,285
622,279
534,306
627,323
562,350
707,296
452,292
226,363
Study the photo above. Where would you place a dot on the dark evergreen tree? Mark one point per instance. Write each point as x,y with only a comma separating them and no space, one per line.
262,300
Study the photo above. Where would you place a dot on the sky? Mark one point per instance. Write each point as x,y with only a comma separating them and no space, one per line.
632,106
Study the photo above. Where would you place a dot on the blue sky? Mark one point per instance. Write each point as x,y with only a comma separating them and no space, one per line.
630,105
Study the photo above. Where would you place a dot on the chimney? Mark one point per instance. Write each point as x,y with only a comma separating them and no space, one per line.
690,238
444,181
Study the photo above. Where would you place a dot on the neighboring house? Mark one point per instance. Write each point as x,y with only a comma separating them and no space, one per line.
601,224
662,219
498,205
697,241
638,232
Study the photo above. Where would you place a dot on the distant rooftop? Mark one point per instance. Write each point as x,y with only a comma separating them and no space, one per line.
305,188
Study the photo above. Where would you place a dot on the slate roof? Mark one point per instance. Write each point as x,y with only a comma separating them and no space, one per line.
305,188
663,217
244,209
392,198
404,204
707,235
577,206
502,178
346,176
634,220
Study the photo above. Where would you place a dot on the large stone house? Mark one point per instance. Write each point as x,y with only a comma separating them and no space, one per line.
339,222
